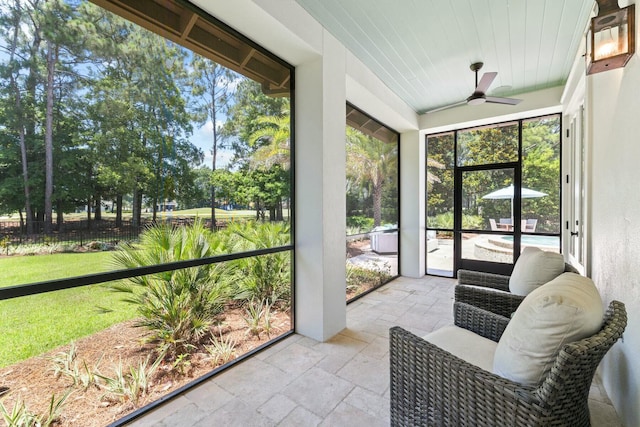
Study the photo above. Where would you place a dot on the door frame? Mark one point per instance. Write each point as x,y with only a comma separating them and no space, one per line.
575,228
458,231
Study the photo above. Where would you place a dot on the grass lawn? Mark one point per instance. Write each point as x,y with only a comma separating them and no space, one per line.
206,213
35,324
201,212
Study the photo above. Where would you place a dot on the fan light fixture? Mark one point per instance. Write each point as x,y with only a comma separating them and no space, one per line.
611,37
479,95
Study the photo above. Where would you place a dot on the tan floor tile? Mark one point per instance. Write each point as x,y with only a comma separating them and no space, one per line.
347,415
369,402
254,381
295,359
277,408
318,391
301,417
344,381
366,372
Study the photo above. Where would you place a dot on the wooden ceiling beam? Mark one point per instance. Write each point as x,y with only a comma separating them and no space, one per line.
185,27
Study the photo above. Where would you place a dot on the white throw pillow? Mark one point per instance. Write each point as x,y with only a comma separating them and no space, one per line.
567,309
534,267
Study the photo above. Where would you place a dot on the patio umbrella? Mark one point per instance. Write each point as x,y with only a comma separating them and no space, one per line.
507,193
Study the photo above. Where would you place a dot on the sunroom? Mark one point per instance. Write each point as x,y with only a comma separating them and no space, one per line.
395,64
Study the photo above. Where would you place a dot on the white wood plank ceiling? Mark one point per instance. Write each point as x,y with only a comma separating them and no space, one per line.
422,49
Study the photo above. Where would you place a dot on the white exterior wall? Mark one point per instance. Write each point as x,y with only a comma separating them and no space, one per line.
320,305
412,209
613,120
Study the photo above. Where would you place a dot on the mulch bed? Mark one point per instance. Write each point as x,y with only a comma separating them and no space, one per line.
34,381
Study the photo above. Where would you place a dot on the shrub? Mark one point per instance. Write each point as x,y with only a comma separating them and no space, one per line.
445,221
177,306
130,386
221,350
264,278
360,279
21,416
359,224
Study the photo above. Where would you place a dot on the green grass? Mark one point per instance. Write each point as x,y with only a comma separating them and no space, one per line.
201,212
35,324
20,270
206,213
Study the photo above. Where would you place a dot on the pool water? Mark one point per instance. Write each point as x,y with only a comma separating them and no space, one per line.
528,240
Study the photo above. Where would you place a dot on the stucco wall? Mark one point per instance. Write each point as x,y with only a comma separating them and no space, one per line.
613,108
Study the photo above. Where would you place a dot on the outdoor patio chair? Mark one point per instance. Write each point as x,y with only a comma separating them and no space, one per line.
430,386
495,292
505,221
529,225
494,226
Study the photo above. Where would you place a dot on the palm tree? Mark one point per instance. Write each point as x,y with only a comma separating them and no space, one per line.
272,139
371,161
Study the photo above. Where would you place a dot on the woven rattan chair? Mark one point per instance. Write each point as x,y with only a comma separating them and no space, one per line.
490,291
431,387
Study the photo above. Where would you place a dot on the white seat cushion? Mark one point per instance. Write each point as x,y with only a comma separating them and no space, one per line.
568,308
534,267
465,344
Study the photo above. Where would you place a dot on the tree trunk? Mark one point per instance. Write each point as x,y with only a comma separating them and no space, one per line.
98,210
89,214
214,155
377,205
139,209
134,209
119,210
20,123
29,124
155,208
48,139
280,214
59,215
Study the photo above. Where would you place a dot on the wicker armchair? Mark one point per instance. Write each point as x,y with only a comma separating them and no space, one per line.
490,291
431,387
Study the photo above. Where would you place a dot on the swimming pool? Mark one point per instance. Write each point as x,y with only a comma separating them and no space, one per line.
530,240
497,248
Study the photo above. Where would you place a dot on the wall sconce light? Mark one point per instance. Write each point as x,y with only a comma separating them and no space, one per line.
611,37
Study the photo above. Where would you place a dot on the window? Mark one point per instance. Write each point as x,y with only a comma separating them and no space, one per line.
475,217
372,203
146,176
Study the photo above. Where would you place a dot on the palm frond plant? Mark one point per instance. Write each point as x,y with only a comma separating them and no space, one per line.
179,306
272,142
221,350
264,278
255,311
20,416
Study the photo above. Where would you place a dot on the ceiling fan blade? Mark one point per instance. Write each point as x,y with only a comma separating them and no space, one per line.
446,107
485,81
498,100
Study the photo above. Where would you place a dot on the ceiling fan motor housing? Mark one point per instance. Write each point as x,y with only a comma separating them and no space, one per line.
477,98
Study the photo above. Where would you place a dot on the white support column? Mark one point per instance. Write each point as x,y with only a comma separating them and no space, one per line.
320,306
412,209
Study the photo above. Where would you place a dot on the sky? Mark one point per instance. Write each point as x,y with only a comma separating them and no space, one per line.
203,138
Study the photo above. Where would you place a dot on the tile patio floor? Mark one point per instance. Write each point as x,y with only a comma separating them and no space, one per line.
342,382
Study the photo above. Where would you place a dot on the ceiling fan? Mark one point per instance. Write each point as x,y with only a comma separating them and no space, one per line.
478,96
